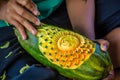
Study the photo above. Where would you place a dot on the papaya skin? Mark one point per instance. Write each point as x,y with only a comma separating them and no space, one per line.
95,67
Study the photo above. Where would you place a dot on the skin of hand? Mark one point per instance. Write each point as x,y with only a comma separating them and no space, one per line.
104,45
21,14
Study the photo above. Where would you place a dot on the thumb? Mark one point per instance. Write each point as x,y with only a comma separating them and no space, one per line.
104,44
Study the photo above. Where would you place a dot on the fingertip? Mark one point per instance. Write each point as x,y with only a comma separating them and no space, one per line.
36,12
104,44
37,22
104,47
24,37
34,31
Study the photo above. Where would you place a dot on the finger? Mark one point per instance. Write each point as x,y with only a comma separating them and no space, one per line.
25,23
26,14
19,27
33,8
104,44
13,22
111,75
30,5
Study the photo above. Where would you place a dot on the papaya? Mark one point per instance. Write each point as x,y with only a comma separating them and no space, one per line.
70,53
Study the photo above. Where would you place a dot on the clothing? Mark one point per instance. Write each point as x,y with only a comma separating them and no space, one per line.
107,16
11,66
19,58
45,11
14,58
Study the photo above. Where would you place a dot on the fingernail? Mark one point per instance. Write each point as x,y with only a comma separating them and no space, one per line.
36,12
34,32
37,22
104,47
24,38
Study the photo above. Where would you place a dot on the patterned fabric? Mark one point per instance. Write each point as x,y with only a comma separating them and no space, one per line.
17,64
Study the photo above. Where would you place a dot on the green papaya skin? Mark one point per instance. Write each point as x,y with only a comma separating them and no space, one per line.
96,66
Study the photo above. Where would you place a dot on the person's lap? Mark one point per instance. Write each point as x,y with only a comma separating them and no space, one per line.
108,26
17,64
19,59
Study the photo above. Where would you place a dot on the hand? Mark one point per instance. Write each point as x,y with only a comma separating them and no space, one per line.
20,13
104,45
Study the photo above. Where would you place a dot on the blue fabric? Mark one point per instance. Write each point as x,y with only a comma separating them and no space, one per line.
3,23
107,16
12,65
19,58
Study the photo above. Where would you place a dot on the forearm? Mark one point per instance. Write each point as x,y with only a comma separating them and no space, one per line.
81,14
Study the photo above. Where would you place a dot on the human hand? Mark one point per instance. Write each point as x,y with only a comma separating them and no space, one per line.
104,45
20,13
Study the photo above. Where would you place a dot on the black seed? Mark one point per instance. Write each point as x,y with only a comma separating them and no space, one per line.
53,32
50,54
48,33
76,51
44,52
66,55
63,60
41,36
89,52
46,39
82,52
40,43
59,30
75,58
55,52
51,60
82,59
76,64
61,65
50,42
70,60
52,48
57,59
46,46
